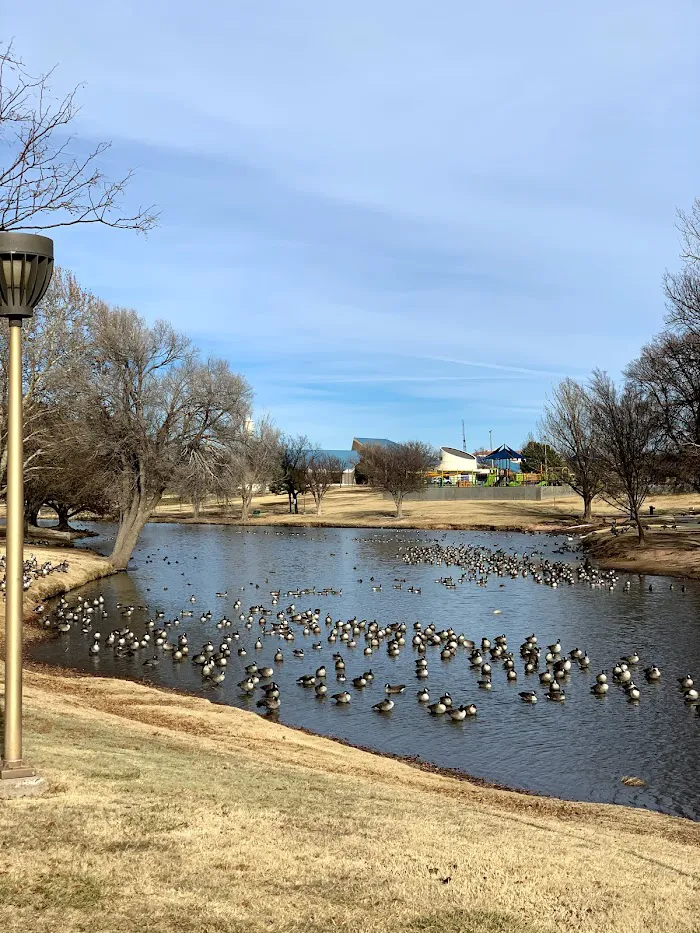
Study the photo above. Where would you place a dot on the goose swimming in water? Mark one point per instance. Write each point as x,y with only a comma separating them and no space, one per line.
394,688
384,706
342,698
528,696
423,696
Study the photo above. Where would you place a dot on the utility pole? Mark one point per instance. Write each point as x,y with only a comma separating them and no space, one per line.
490,441
464,438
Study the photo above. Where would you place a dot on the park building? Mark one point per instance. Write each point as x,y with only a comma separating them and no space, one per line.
350,458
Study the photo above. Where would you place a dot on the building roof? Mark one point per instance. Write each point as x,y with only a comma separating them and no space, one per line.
349,458
504,453
455,452
372,442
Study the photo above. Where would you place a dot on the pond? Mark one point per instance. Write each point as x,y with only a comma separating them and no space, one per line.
576,749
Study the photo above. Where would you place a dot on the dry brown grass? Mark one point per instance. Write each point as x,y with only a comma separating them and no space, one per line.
84,566
363,507
664,552
360,506
167,813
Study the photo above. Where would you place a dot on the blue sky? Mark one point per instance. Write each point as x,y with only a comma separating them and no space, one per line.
391,216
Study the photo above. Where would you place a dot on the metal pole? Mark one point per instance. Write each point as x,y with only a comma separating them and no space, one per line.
13,766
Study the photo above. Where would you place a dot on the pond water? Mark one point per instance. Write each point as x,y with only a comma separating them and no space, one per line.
578,749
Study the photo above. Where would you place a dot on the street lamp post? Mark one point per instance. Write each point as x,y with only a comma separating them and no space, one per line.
26,266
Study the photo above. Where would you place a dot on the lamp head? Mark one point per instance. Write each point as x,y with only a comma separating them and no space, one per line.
26,266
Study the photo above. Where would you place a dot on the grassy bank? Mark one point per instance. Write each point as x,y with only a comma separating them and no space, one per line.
83,567
362,507
167,813
666,551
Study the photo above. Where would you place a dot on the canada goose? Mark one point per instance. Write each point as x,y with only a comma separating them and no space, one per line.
341,698
359,682
321,690
685,682
458,713
511,676
394,688
321,672
446,699
484,684
557,696
528,696
632,692
652,673
690,695
279,657
307,680
247,685
600,688
270,703
471,709
631,658
384,706
601,678
423,696
438,708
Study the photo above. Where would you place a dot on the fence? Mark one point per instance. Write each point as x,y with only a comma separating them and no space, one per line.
494,493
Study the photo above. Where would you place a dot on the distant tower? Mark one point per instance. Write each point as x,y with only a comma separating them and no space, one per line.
248,426
464,438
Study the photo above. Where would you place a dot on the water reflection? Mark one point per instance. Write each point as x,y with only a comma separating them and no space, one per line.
579,749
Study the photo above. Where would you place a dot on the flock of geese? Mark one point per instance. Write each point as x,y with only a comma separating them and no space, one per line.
549,666
33,570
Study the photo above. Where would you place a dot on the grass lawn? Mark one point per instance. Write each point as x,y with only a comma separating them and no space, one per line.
168,813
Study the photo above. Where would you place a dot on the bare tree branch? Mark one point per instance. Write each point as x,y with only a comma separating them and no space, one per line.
43,186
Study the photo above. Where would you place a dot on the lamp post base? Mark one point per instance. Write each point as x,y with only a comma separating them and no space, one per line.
12,770
33,786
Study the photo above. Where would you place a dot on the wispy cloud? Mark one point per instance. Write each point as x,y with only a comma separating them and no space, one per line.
361,203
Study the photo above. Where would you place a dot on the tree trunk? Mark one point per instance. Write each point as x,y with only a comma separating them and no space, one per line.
63,513
319,503
289,496
640,529
246,499
295,496
399,508
31,514
587,511
196,503
131,524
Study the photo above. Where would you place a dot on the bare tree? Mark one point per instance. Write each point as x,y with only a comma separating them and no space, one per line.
149,403
668,372
689,227
569,424
55,354
398,469
628,443
324,471
295,454
69,476
42,185
254,461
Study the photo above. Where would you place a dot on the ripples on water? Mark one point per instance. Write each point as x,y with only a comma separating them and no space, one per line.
579,749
